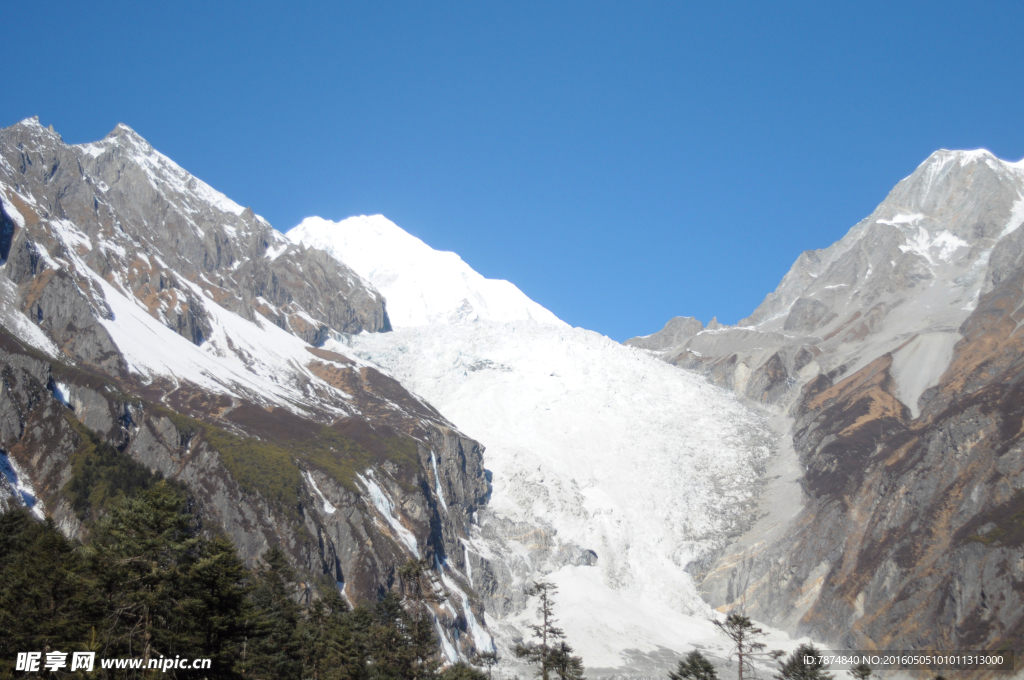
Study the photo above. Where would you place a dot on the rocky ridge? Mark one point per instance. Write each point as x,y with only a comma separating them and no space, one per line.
142,311
893,359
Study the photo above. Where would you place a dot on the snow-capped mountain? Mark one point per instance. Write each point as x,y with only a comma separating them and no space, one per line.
896,357
612,472
145,308
422,285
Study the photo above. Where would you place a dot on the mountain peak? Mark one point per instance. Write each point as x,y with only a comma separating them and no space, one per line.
34,127
422,285
122,132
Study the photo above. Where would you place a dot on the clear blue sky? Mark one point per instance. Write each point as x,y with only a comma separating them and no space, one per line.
622,163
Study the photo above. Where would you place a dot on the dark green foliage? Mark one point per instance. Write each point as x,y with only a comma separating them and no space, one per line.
139,553
329,641
488,659
101,475
744,636
694,667
46,596
795,666
147,585
550,651
565,665
861,671
276,649
461,671
217,601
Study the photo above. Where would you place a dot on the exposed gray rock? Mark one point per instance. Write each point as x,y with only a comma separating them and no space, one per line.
148,227
896,356
676,332
807,315
89,229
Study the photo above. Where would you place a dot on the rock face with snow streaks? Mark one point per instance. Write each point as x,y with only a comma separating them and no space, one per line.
896,355
613,474
142,310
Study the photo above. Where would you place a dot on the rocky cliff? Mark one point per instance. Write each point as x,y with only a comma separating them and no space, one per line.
146,317
893,359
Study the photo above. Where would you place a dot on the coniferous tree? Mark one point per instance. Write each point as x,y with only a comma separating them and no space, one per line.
329,644
216,605
137,555
797,667
274,652
461,671
488,659
548,651
744,635
389,651
418,592
861,671
694,667
47,601
564,664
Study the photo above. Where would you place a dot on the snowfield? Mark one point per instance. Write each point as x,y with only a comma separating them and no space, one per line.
615,451
603,447
421,285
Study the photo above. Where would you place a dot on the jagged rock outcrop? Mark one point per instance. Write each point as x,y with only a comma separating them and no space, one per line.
148,227
896,355
675,333
142,311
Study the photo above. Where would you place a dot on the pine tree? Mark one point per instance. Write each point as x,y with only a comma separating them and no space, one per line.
418,592
488,659
137,555
797,667
216,606
461,671
549,651
861,671
565,665
694,667
329,645
274,652
744,635
47,600
388,645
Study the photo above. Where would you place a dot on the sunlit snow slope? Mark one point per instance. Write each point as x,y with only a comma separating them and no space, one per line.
600,446
421,285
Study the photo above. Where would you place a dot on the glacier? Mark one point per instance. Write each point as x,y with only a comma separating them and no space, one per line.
603,447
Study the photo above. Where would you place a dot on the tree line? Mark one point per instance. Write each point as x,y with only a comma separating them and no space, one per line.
148,584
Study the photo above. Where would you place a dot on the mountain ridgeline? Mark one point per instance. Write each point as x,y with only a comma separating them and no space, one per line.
146,316
894,363
845,463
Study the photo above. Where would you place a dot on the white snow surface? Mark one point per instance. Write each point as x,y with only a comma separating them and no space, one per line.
386,508
612,449
421,285
328,506
19,481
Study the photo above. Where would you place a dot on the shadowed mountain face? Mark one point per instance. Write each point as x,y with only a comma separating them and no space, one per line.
144,313
897,357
